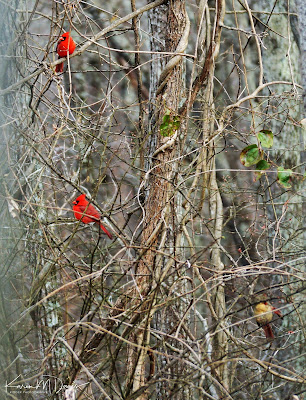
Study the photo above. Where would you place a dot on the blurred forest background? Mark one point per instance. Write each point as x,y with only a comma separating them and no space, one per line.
182,122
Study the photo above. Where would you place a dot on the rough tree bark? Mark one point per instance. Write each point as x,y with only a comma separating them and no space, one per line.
160,224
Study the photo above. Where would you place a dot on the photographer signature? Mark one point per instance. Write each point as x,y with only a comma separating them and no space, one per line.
46,383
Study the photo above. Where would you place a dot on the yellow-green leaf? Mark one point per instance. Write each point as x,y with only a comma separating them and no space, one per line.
266,138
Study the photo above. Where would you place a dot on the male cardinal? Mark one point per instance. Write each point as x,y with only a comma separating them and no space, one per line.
263,312
65,45
87,213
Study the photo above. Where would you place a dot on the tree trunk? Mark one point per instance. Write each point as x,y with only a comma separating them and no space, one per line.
160,233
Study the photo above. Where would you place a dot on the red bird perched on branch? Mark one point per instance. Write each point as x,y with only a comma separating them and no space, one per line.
263,312
65,46
87,213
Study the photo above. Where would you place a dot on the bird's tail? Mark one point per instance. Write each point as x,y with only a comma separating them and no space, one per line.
59,67
268,331
106,231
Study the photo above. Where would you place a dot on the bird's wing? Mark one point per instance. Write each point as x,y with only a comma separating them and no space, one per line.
82,208
93,212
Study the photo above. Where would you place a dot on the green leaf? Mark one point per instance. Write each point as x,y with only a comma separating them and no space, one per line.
283,177
164,127
170,124
260,167
266,138
250,155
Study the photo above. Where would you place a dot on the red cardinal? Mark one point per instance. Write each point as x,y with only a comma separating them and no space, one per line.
65,45
87,213
263,312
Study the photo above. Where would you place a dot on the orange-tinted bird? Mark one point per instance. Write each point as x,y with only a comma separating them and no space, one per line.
87,213
65,46
263,312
